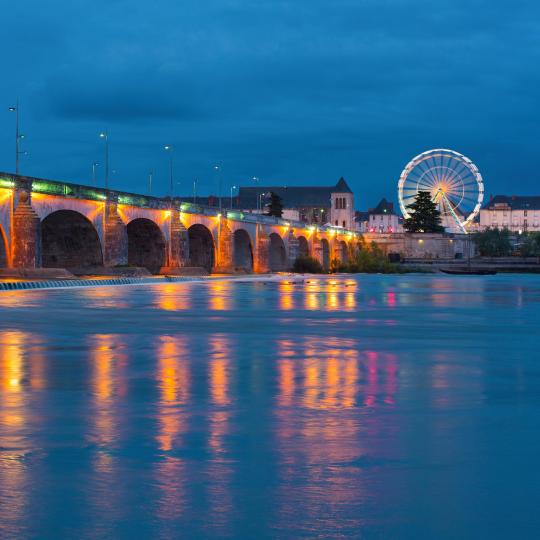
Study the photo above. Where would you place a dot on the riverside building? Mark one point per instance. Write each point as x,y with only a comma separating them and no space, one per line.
515,213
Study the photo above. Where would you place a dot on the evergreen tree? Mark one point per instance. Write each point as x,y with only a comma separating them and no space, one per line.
425,216
275,206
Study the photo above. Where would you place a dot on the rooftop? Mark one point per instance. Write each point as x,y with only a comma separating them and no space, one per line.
515,202
384,207
293,196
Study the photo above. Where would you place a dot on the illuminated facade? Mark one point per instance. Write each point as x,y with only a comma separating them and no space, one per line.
515,213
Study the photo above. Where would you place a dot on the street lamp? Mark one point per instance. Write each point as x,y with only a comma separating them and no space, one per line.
18,137
168,148
218,172
232,189
105,136
195,191
256,180
94,165
150,178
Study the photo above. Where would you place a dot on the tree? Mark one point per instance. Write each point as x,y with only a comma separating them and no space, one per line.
530,245
425,217
275,206
493,242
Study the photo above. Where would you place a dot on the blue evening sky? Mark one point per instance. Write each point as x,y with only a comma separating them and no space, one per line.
293,92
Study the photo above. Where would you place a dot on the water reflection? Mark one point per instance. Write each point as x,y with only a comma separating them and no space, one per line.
286,295
219,295
220,469
16,353
104,297
321,376
171,297
108,359
173,379
330,295
173,383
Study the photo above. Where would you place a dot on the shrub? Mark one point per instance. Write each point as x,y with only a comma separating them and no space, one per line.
371,259
493,242
307,265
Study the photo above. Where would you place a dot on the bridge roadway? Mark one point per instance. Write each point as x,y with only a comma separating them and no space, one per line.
51,224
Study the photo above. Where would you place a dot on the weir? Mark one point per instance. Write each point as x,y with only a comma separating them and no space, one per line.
52,224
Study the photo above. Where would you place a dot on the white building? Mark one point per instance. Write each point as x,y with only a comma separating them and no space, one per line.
516,213
383,219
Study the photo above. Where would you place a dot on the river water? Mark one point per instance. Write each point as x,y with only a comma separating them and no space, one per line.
358,407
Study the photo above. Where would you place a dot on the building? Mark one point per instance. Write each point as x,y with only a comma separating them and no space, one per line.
516,213
381,219
319,205
361,220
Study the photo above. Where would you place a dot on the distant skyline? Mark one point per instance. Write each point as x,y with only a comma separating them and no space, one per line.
291,92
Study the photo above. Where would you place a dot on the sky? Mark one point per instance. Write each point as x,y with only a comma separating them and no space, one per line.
292,92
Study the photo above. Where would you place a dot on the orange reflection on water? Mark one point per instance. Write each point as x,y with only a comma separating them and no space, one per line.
19,299
219,365
15,355
219,298
313,445
173,377
168,297
11,377
173,381
330,373
286,372
286,298
107,357
219,472
103,297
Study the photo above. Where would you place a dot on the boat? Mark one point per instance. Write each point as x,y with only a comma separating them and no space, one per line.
469,271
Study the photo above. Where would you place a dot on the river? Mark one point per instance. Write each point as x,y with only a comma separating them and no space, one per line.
347,407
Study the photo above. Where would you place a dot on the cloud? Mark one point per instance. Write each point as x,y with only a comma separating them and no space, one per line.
280,89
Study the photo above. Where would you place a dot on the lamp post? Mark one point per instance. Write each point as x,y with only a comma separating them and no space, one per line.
232,189
94,165
150,178
256,180
18,137
218,173
168,148
105,136
195,191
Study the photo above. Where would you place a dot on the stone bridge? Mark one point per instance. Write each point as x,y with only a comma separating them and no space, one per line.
51,224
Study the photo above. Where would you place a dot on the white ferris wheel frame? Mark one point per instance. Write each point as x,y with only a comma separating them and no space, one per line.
457,156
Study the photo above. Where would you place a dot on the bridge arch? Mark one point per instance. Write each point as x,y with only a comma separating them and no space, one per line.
303,246
4,259
201,247
278,256
325,254
69,240
243,250
146,244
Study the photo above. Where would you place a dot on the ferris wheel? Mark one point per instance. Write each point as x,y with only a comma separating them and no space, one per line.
453,180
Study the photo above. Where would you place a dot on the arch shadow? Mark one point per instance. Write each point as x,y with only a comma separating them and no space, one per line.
201,247
242,250
325,254
303,247
146,245
277,256
69,240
